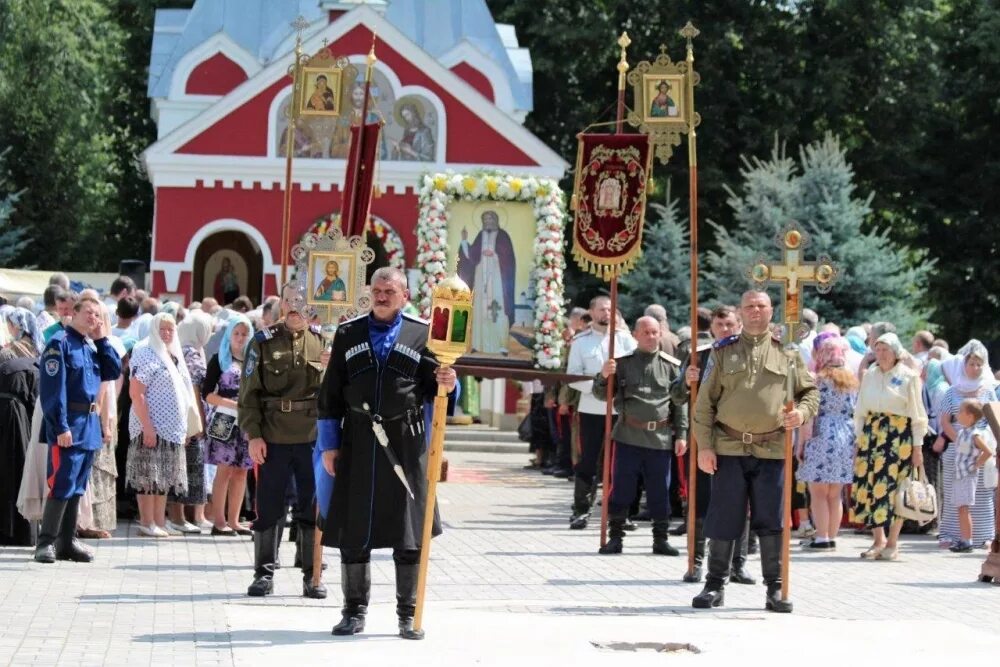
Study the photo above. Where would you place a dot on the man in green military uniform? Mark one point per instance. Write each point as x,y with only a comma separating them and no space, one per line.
740,425
277,412
644,434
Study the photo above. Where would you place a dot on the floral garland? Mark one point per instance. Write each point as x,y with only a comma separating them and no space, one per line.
437,191
391,241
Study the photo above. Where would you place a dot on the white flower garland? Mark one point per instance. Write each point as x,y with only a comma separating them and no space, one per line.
437,191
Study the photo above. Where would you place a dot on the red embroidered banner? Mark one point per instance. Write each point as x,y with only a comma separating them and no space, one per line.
360,178
612,171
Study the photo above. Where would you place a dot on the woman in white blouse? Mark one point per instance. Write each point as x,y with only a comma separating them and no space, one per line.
159,424
889,421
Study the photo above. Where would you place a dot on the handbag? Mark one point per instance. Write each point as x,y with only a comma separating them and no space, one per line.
222,424
916,498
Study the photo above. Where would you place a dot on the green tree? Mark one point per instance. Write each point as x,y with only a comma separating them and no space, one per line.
11,239
662,275
879,280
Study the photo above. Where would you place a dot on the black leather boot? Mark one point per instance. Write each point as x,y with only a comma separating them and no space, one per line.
279,536
67,546
263,563
355,582
720,555
307,544
770,566
48,533
739,574
582,502
661,546
694,576
406,599
616,532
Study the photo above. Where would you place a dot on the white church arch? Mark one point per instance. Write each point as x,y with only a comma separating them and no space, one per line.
217,43
233,225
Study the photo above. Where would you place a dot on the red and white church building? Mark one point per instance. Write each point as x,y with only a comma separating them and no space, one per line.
219,84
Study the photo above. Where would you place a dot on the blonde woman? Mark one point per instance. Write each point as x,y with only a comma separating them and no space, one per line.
162,396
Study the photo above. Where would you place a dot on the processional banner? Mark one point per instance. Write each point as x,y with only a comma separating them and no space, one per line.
612,172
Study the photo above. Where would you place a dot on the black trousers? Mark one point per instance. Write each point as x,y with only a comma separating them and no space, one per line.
591,442
283,463
399,556
632,464
737,481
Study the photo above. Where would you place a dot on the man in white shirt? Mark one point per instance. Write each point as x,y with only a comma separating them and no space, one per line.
587,354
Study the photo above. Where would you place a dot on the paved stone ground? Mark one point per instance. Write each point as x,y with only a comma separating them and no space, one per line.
509,582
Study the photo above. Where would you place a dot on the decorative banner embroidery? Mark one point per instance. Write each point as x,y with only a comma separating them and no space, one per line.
612,171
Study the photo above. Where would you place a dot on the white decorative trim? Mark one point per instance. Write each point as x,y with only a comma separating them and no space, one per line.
533,147
217,43
466,52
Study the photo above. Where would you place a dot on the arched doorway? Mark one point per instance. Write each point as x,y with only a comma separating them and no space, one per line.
228,259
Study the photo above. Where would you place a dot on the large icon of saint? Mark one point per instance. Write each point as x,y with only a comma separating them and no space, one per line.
663,105
332,287
322,97
488,265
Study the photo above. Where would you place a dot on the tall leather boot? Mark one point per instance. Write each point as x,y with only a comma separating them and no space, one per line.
263,563
720,555
279,536
770,565
48,533
307,543
661,546
355,582
582,502
694,576
740,575
67,546
616,533
406,599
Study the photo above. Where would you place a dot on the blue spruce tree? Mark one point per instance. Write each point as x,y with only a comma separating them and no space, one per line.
879,279
12,240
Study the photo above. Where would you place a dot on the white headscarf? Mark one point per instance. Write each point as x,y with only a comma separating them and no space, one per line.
195,330
178,371
954,369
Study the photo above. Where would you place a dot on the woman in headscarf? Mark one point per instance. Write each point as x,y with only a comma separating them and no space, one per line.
18,393
25,338
971,377
890,423
193,333
229,451
159,424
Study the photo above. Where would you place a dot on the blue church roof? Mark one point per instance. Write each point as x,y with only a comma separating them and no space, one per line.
261,27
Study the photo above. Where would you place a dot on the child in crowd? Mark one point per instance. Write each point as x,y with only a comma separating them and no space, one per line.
975,447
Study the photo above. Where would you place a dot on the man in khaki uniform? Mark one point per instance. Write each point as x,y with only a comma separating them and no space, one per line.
277,412
740,424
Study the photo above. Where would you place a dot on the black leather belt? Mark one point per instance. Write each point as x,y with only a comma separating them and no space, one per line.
292,406
646,426
81,407
383,418
751,438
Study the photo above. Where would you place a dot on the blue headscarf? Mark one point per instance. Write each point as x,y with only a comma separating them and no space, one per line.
226,354
24,320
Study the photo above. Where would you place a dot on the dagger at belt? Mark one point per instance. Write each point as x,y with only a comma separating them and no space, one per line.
383,439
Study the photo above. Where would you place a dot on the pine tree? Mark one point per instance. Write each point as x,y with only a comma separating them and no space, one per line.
12,240
879,279
662,274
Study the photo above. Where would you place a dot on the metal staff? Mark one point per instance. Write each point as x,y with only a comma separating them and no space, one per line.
791,351
623,42
295,71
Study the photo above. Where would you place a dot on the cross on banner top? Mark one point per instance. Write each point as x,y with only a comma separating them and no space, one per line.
794,273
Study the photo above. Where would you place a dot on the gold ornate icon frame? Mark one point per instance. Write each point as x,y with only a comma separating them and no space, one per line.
312,253
646,79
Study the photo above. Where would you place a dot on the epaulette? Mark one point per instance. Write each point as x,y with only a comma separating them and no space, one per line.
414,318
707,345
776,336
669,359
57,336
315,328
267,333
725,342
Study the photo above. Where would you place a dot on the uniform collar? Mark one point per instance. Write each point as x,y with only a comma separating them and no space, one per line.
71,331
378,325
645,355
756,340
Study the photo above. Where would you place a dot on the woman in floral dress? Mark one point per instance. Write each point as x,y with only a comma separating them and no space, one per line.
229,452
828,457
888,421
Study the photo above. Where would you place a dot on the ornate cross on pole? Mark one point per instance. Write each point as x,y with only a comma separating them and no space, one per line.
792,275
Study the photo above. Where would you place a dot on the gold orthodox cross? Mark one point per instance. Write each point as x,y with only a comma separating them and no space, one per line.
794,273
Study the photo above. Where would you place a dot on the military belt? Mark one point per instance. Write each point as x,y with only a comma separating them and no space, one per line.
81,407
646,425
381,418
292,406
751,438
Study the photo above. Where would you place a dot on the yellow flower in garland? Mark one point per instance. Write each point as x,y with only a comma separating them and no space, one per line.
880,490
881,516
440,184
879,463
860,467
515,185
469,183
905,451
491,186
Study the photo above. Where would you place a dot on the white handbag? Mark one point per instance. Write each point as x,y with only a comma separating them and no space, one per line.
916,498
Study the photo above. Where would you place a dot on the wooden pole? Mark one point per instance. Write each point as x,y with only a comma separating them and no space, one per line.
622,67
692,356
434,455
293,115
786,524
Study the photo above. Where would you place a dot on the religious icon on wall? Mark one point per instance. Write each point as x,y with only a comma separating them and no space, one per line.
417,142
225,275
320,86
663,98
492,245
329,278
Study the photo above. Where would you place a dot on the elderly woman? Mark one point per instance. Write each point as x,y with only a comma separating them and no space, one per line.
22,329
970,377
890,423
162,398
193,333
